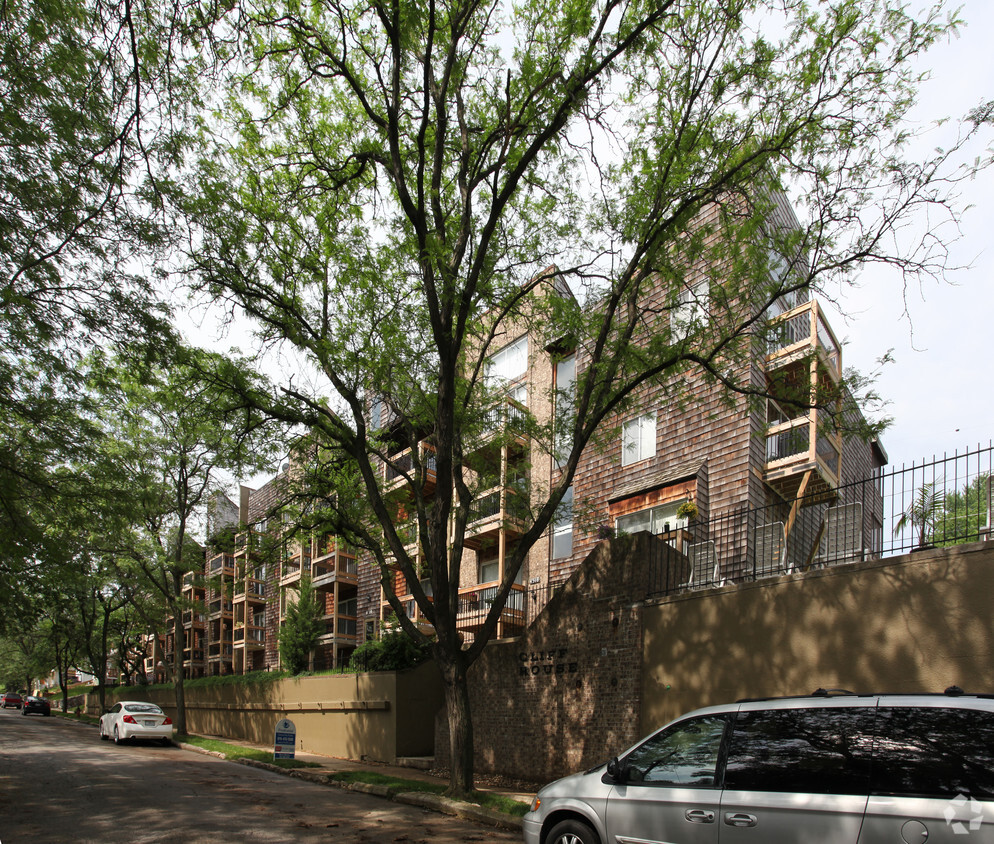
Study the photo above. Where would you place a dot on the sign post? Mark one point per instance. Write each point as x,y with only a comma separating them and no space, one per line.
286,739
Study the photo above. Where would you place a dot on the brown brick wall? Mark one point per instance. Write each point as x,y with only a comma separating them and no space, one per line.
570,687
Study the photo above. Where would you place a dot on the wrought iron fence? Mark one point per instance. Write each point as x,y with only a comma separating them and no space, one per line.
942,502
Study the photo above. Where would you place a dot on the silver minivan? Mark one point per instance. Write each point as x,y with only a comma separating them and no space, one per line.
829,768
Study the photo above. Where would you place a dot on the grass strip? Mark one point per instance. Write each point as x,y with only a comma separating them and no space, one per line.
237,751
487,799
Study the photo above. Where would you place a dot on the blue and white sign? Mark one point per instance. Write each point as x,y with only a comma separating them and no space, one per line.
286,739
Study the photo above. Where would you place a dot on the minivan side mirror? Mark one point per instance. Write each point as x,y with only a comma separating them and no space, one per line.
617,772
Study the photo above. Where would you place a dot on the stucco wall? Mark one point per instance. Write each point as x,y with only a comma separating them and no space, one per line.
919,622
602,667
380,716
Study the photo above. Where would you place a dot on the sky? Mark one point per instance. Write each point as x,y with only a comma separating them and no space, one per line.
940,387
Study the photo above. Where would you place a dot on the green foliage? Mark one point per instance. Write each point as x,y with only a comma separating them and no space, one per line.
237,751
395,651
399,785
964,513
397,192
301,628
923,513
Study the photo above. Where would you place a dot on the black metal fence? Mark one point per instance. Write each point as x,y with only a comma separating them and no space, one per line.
941,502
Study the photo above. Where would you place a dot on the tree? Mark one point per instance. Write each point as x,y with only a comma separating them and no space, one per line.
395,191
175,442
301,628
92,100
963,513
923,513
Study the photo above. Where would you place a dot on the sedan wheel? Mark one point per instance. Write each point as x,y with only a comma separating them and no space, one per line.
103,735
117,737
572,832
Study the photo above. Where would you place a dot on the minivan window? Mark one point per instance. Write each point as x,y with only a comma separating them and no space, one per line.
815,751
934,752
684,754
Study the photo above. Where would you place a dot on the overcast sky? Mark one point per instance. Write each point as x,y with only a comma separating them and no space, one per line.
941,383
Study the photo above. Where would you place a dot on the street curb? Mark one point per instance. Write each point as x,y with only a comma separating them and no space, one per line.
466,811
424,800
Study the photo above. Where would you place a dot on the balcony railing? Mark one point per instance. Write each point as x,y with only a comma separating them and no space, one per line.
401,465
806,327
341,567
801,440
221,564
941,502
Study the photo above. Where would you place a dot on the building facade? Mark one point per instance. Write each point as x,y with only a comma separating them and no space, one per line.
737,484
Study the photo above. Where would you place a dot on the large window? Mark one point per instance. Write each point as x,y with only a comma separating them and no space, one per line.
638,439
509,363
660,519
685,754
562,528
565,401
813,751
691,311
489,571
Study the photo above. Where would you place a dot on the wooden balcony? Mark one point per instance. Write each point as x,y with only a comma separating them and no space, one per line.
475,603
251,636
399,473
221,564
290,574
798,334
803,447
328,571
496,510
503,424
194,620
339,630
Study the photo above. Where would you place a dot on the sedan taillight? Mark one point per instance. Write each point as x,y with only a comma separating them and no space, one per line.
129,719
167,721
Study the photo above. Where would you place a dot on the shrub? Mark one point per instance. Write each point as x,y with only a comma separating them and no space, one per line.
393,652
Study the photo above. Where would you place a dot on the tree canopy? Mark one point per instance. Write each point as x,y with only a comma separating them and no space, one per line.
395,191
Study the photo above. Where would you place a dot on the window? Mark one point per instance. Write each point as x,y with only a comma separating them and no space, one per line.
562,527
376,414
934,752
685,754
489,571
661,519
509,363
638,439
691,311
814,751
565,407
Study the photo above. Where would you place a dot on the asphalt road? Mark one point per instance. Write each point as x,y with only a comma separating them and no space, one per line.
60,783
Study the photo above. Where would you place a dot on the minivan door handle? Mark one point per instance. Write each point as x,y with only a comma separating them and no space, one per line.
699,816
740,819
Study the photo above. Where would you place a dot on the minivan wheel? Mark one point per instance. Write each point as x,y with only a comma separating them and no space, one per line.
572,832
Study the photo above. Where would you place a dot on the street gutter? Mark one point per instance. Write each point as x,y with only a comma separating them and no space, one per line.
424,800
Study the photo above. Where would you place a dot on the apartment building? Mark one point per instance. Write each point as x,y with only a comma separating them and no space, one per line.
739,487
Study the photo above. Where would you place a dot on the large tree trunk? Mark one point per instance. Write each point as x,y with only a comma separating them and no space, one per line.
453,669
178,670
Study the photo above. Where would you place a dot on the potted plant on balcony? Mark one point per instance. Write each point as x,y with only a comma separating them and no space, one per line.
688,510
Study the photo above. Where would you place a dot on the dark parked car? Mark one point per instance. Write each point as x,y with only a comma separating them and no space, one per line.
11,699
36,704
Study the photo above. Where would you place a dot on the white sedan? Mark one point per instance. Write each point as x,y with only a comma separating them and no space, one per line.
132,719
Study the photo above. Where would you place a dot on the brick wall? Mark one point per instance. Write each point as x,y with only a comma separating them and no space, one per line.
570,687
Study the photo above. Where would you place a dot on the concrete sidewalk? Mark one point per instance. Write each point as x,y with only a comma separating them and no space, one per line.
410,770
